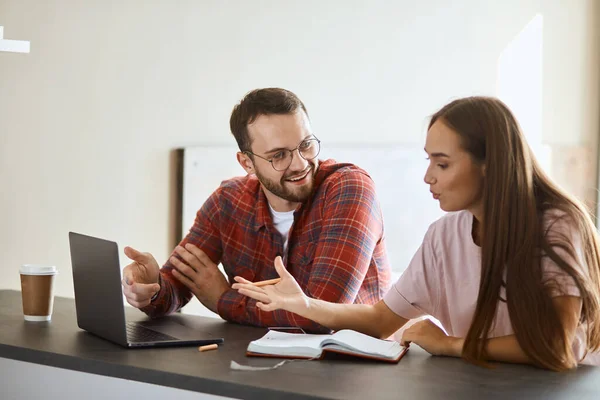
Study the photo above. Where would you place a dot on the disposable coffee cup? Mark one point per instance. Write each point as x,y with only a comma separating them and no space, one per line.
37,290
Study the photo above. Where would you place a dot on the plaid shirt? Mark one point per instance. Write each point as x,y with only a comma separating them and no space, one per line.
336,247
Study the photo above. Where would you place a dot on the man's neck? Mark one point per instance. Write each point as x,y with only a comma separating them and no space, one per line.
280,205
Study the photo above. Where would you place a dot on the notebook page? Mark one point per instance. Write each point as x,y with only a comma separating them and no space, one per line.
365,344
283,343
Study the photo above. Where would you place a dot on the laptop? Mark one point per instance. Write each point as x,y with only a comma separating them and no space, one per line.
99,301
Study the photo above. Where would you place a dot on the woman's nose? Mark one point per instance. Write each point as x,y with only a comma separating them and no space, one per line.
428,179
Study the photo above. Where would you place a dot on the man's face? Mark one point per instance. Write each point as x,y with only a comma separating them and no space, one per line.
273,134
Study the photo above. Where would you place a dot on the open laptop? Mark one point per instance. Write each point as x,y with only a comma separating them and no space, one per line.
99,301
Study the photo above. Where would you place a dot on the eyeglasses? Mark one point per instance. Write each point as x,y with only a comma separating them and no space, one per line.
308,149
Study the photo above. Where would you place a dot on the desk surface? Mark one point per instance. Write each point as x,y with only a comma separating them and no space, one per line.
62,344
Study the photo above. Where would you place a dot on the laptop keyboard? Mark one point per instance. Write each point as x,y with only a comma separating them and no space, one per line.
138,334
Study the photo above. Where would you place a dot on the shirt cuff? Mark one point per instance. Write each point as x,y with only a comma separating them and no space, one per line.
159,289
400,305
230,308
150,309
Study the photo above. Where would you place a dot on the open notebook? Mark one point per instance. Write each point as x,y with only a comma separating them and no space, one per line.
293,345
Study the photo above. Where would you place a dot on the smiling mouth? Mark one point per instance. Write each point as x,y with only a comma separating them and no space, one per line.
300,177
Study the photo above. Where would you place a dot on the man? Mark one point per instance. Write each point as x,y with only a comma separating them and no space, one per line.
322,218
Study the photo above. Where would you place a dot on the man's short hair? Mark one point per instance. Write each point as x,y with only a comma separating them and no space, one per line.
258,102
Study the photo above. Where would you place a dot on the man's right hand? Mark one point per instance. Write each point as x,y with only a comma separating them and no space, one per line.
140,278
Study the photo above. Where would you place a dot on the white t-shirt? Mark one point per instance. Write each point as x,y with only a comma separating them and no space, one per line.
282,221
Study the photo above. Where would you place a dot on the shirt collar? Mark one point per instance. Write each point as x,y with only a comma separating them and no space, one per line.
263,216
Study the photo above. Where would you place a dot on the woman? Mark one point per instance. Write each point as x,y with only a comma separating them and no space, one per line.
517,261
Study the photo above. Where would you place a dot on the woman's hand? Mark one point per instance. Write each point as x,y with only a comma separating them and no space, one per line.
285,295
432,339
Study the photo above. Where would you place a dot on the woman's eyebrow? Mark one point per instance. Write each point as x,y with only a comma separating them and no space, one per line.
437,154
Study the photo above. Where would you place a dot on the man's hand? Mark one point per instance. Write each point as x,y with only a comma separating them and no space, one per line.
200,275
140,278
432,339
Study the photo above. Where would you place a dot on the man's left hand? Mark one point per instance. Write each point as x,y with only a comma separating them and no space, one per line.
199,274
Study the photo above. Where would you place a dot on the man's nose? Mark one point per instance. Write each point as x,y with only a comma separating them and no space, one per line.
298,162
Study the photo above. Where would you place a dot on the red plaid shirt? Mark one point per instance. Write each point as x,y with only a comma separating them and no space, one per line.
336,247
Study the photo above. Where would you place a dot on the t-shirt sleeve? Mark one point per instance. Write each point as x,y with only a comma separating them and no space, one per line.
566,242
416,291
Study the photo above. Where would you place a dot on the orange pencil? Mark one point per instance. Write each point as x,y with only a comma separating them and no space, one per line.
267,282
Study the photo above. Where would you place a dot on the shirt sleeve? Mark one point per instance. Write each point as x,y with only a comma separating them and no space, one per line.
205,235
416,292
352,227
566,243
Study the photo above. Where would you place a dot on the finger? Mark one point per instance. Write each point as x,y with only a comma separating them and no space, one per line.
182,267
409,335
136,301
200,255
184,279
248,286
137,293
241,280
136,255
189,258
266,307
128,275
280,268
255,295
253,289
126,289
143,291
138,304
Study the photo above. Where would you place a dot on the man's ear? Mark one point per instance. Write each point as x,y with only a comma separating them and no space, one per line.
483,170
245,161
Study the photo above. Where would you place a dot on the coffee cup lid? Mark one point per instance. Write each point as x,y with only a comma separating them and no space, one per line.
36,269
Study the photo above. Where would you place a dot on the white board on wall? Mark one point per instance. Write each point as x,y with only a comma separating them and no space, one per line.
397,171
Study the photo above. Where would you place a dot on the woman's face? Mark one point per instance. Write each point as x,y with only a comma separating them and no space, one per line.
454,179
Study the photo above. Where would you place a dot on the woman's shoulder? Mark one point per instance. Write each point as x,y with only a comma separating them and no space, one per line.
558,224
453,221
451,229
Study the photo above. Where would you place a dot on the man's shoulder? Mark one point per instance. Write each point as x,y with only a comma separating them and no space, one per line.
238,188
334,173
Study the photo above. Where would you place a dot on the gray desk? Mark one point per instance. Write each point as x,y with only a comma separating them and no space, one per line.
62,344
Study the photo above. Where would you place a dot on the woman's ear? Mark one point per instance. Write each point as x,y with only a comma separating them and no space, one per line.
245,161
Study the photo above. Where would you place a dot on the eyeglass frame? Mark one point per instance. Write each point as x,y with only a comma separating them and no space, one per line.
292,151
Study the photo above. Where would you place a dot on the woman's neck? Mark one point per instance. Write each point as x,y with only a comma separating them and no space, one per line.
477,228
476,231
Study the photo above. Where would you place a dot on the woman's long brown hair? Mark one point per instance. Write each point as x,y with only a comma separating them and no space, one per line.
516,196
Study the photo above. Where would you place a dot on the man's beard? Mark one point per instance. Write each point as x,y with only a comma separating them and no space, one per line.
297,195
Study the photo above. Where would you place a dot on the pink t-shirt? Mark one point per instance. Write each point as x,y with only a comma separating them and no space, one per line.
442,281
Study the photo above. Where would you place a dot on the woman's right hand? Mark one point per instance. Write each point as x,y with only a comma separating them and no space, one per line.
285,295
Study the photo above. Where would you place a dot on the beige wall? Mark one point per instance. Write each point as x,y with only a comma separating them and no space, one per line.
571,94
88,120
